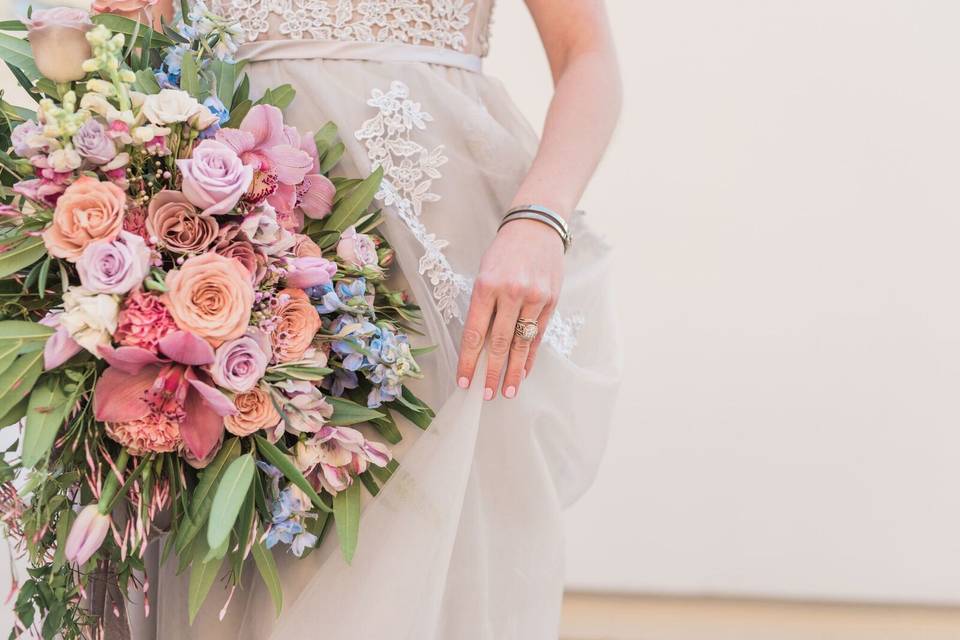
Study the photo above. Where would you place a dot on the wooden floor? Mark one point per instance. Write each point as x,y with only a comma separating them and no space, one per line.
593,617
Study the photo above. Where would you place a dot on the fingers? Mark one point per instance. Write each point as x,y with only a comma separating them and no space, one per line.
482,304
520,350
545,317
498,350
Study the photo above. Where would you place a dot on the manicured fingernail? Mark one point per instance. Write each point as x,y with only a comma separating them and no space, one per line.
488,394
464,383
510,392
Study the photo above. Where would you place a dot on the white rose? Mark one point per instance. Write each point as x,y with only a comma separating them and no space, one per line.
172,105
89,318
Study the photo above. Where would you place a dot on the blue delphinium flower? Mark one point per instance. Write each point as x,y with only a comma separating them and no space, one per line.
218,109
288,512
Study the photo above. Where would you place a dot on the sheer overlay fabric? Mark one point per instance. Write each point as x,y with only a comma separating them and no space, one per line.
466,541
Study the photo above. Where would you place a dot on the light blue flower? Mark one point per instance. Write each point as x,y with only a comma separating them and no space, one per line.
302,542
217,108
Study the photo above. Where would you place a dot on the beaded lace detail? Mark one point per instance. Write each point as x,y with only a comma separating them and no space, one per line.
440,23
409,170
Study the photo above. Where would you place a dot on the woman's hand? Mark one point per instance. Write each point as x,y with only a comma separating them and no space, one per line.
520,277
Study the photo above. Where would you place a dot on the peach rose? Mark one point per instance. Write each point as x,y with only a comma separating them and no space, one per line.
174,223
89,210
297,326
256,411
210,296
306,248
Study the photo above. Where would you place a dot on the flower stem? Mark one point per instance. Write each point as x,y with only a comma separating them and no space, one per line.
113,482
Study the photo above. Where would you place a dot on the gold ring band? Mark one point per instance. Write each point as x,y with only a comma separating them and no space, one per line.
527,329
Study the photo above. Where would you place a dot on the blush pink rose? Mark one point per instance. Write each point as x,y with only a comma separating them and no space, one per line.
307,272
89,210
214,178
357,249
58,38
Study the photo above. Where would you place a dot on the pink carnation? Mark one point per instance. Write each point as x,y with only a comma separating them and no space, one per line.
153,433
143,321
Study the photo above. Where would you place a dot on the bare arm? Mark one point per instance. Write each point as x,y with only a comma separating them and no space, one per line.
521,272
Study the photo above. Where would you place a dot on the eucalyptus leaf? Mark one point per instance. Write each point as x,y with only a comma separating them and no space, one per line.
325,138
267,566
347,412
17,52
332,157
346,516
126,26
231,494
202,576
21,255
202,499
46,412
355,205
190,75
18,380
15,415
24,331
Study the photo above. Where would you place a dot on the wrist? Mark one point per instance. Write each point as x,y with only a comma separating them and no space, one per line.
543,215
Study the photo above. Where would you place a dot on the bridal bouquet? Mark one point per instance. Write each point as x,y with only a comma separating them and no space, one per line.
197,334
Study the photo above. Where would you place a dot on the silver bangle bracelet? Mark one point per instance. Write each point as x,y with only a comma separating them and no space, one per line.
542,210
541,218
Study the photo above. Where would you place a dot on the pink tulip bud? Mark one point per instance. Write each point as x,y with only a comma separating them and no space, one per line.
87,534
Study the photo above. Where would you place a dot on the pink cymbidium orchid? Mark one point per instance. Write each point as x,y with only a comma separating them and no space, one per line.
285,164
279,164
139,382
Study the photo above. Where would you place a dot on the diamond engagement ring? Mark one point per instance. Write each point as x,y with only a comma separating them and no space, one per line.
527,329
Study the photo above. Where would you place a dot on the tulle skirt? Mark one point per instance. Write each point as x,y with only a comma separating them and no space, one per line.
465,542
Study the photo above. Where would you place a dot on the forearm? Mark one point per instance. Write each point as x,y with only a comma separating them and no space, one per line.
578,127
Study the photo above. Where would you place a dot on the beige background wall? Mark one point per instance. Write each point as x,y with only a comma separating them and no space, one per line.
783,188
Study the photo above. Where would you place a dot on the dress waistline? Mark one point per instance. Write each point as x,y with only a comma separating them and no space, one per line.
354,50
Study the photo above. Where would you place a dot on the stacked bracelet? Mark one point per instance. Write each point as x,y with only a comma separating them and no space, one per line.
543,215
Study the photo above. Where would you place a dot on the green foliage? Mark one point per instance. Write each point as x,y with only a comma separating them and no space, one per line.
231,494
346,515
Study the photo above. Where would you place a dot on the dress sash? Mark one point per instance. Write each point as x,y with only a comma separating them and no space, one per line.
310,49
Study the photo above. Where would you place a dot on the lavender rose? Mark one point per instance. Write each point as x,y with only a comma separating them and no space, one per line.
214,179
239,364
114,266
310,271
93,143
357,249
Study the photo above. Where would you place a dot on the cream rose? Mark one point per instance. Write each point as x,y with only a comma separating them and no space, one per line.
172,105
90,318
210,296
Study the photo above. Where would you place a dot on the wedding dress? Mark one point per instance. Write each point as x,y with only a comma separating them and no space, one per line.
466,541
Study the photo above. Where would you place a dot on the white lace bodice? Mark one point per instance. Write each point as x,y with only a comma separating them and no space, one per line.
459,25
